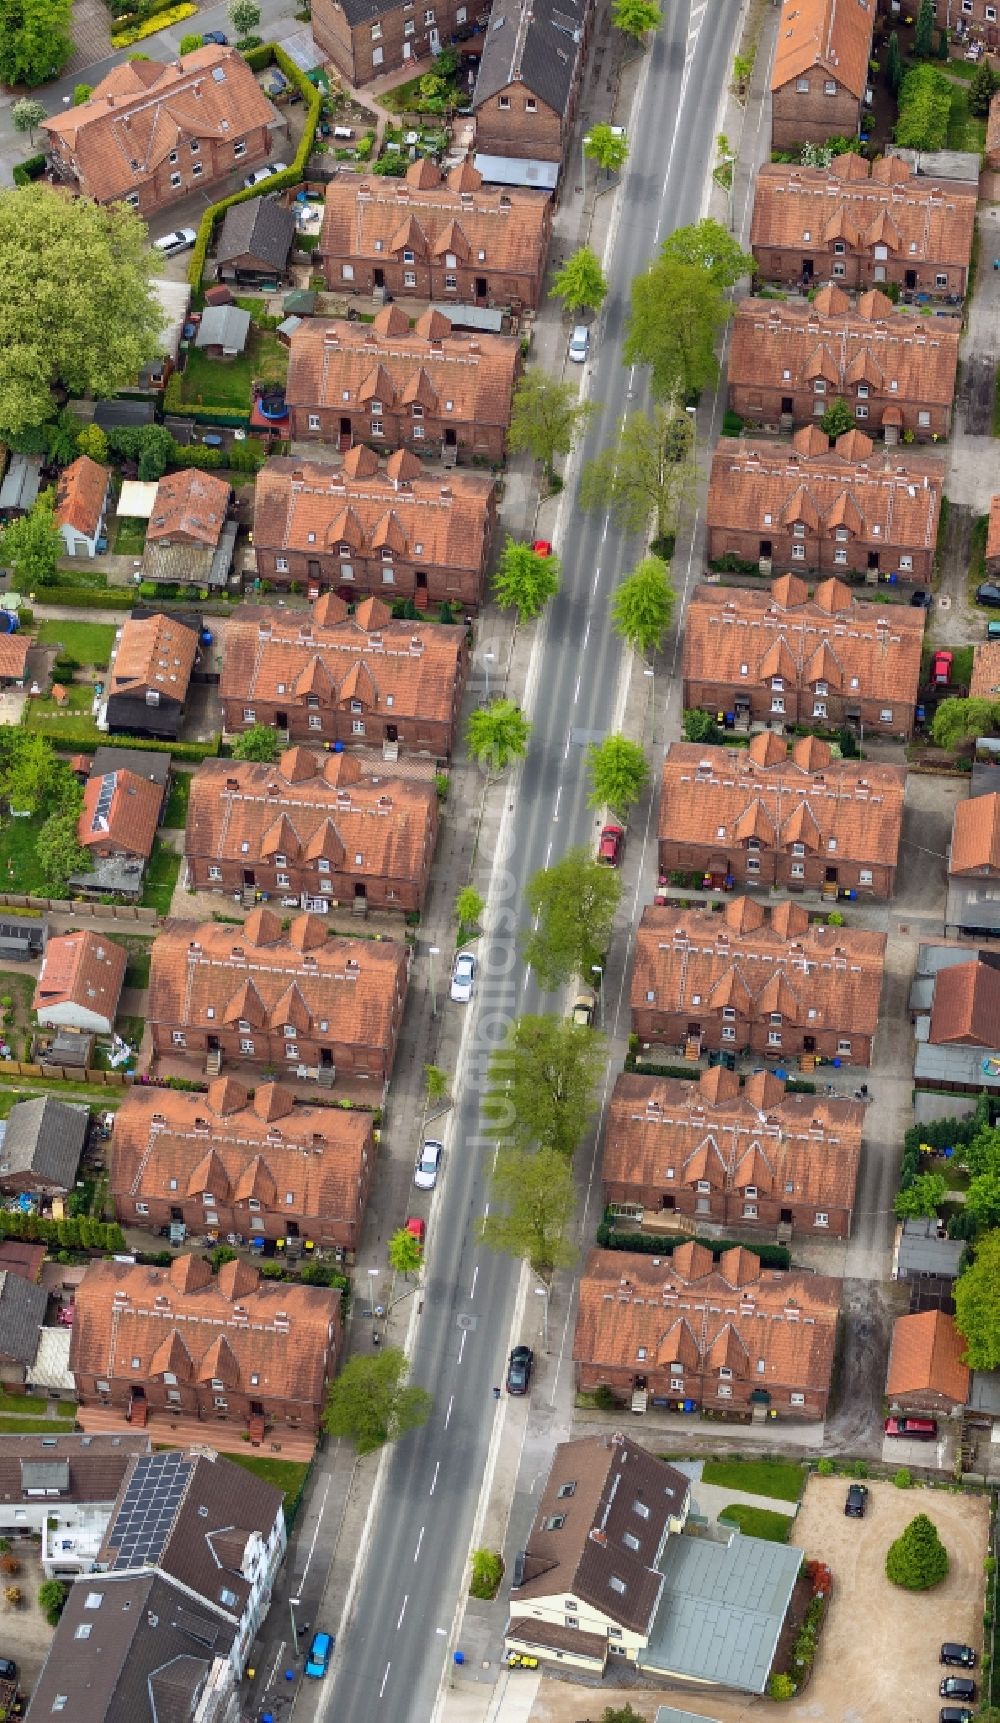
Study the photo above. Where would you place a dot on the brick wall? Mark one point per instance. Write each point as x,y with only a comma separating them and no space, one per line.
811,116
858,271
775,867
843,709
820,557
316,728
342,429
463,587
209,873
672,1028
401,35
766,405
515,122
728,1209
702,1389
325,1230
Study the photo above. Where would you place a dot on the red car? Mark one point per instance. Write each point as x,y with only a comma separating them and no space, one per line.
918,1429
418,1228
941,664
542,547
612,846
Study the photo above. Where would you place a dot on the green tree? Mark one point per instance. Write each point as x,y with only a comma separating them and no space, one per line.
525,580
156,446
924,109
435,1083
619,773
674,319
894,65
497,734
260,742
77,312
469,906
29,772
642,607
62,438
35,40
26,115
190,43
700,726
636,17
52,1595
32,544
531,1208
580,283
90,440
923,35
547,418
82,93
977,1307
981,1209
244,16
917,1560
59,852
711,248
607,146
923,1197
572,908
487,1572
837,419
406,1253
648,473
371,1403
542,1084
955,721
983,86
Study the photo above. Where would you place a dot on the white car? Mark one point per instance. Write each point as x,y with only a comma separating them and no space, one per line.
463,977
181,239
579,344
428,1162
259,175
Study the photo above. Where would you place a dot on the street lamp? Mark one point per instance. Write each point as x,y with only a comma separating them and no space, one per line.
372,1276
432,952
488,659
595,969
293,1603
543,1292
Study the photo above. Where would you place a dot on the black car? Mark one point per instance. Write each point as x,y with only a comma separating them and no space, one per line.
218,37
921,599
989,595
954,1714
957,1687
959,1656
519,1370
8,1669
857,1501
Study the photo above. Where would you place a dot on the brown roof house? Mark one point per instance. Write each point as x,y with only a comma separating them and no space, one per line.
314,828
528,87
365,39
297,1000
152,661
992,158
767,982
790,359
153,133
801,821
227,1347
117,825
80,983
432,388
993,540
926,1373
955,1011
265,1166
190,538
360,527
863,224
82,497
436,238
681,1155
360,679
254,242
817,510
970,18
723,1334
985,683
973,906
772,657
820,77
22,1313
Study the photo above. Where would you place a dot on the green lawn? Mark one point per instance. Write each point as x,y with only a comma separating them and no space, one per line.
177,801
977,551
161,877
406,99
130,536
36,1426
107,1099
87,642
73,714
137,970
226,382
29,1405
782,1479
965,130
288,1475
759,1522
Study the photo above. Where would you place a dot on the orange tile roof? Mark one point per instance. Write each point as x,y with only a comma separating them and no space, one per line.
975,837
691,960
966,1006
330,365
120,809
876,645
993,530
889,501
142,110
834,36
922,219
262,1148
432,215
985,683
993,132
189,507
84,969
758,1135
681,1308
305,807
787,344
707,792
153,652
186,1320
14,649
410,668
259,974
926,1357
441,519
80,494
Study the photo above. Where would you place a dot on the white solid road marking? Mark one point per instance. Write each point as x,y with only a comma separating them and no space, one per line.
576,691
384,1679
416,1553
586,634
461,1344
312,1546
475,1277
555,816
437,1466
402,1612
548,853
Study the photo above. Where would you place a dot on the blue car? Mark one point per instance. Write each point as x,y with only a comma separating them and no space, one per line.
318,1661
220,39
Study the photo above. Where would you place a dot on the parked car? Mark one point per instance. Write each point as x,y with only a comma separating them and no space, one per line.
611,847
542,547
519,1370
583,1007
418,1227
181,239
428,1162
318,1661
921,599
993,631
8,1669
958,1687
857,1501
463,977
989,595
218,37
955,1714
918,1429
259,175
579,344
962,1656
941,664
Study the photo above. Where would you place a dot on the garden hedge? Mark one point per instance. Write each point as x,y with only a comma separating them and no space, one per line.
70,741
257,59
664,1244
30,169
150,26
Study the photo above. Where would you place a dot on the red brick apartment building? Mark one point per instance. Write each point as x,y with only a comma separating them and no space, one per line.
820,71
365,39
528,85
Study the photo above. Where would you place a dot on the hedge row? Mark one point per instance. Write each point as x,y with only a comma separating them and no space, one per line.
258,58
136,32
173,402
77,1232
31,168
69,741
659,1244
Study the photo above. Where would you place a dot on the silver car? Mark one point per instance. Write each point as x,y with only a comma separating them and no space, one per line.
181,239
463,977
259,175
428,1162
579,344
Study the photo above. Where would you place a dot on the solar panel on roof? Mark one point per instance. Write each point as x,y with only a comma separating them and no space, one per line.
148,1509
105,796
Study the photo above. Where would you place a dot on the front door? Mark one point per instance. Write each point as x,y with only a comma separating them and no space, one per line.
787,404
360,889
808,1043
668,1202
831,876
345,430
434,38
407,50
808,267
213,1043
450,437
873,560
313,569
378,277
787,1216
281,720
910,279
765,547
325,1058
482,287
391,733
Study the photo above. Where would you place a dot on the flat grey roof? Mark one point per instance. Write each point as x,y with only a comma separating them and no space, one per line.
722,1609
516,170
667,1714
984,1392
973,905
921,1251
481,317
22,483
971,1066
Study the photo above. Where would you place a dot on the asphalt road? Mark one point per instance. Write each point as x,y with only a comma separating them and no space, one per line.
391,1657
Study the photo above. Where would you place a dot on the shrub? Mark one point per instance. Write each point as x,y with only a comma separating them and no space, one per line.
31,168
52,1595
826,1468
917,1560
150,26
190,43
903,1479
196,455
860,1469
487,1572
247,457
82,93
924,107
781,1687
9,1565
